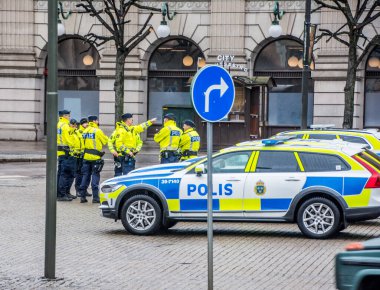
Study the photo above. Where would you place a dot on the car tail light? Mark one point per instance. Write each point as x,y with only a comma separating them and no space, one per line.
355,247
374,180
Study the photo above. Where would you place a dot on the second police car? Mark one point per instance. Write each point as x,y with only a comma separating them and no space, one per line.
321,186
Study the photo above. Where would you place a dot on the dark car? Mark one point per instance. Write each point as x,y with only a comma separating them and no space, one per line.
359,266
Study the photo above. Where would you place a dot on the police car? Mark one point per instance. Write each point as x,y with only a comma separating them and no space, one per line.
370,137
321,186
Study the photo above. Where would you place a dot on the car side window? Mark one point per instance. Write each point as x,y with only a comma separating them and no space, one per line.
322,136
314,162
277,161
353,139
233,162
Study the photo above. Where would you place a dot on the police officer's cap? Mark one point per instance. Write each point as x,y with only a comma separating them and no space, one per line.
83,121
189,123
64,112
126,116
73,122
92,118
169,116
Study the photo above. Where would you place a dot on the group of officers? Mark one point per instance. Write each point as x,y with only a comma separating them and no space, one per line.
80,145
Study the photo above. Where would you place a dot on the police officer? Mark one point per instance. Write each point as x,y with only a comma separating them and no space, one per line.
125,143
190,141
168,138
83,124
94,139
64,142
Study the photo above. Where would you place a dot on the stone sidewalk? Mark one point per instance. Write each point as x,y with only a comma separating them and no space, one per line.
22,151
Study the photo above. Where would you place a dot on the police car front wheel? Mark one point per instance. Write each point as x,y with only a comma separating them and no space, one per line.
141,215
318,218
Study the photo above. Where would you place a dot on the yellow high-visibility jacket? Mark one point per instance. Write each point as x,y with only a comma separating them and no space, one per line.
94,138
78,142
63,135
190,141
168,137
112,139
127,138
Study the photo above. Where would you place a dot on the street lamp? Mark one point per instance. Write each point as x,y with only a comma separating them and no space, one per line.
164,30
275,29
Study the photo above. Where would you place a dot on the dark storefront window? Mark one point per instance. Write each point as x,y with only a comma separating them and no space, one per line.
372,90
171,68
78,85
282,60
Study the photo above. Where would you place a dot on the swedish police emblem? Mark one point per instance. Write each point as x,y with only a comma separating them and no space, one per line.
260,188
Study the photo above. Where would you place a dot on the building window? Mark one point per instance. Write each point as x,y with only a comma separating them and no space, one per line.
171,68
372,90
282,60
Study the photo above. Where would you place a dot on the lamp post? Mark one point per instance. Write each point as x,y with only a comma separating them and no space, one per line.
164,30
51,154
306,65
275,29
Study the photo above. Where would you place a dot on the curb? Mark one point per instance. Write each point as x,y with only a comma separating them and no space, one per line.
4,158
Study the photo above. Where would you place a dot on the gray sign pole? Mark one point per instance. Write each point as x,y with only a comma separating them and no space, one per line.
51,163
209,206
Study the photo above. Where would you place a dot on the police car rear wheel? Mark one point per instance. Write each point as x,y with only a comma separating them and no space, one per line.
141,215
318,218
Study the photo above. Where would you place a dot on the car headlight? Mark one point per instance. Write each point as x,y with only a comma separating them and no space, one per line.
110,188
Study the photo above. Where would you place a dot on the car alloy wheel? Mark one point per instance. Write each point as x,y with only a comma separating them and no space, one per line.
141,215
318,218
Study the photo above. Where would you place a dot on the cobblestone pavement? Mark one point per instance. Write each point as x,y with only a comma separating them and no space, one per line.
97,253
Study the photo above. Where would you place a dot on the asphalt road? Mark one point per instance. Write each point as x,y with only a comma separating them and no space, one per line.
97,253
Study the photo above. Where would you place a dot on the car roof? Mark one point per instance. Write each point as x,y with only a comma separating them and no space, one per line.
353,132
294,144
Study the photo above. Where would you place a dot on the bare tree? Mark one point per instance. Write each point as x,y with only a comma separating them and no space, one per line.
113,16
351,34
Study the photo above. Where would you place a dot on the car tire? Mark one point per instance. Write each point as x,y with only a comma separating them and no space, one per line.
318,218
141,215
169,224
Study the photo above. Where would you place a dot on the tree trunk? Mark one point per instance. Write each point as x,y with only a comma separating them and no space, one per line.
349,88
119,85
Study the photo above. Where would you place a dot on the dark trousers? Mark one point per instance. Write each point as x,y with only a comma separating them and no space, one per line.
78,174
89,173
68,169
170,157
59,174
126,166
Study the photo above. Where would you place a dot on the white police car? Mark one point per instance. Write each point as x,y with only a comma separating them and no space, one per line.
322,187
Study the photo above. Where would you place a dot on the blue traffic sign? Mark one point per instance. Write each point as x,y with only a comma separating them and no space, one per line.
212,93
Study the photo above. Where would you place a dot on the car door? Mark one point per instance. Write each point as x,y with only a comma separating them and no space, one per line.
275,179
229,176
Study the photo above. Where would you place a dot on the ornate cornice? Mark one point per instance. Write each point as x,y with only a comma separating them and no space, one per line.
267,6
175,5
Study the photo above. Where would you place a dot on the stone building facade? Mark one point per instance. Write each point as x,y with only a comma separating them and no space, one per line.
233,33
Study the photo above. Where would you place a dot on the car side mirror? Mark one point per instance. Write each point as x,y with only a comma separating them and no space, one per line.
200,169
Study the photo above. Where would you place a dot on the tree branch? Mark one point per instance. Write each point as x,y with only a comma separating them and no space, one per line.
326,32
94,13
325,5
359,11
139,33
368,21
93,38
139,39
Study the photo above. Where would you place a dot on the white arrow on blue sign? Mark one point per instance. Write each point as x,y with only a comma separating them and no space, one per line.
212,93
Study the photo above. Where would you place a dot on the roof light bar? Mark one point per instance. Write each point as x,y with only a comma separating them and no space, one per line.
322,126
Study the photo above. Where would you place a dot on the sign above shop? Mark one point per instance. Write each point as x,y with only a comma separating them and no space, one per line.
227,61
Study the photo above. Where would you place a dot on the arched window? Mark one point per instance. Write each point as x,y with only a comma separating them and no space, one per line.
372,90
171,67
78,85
282,60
